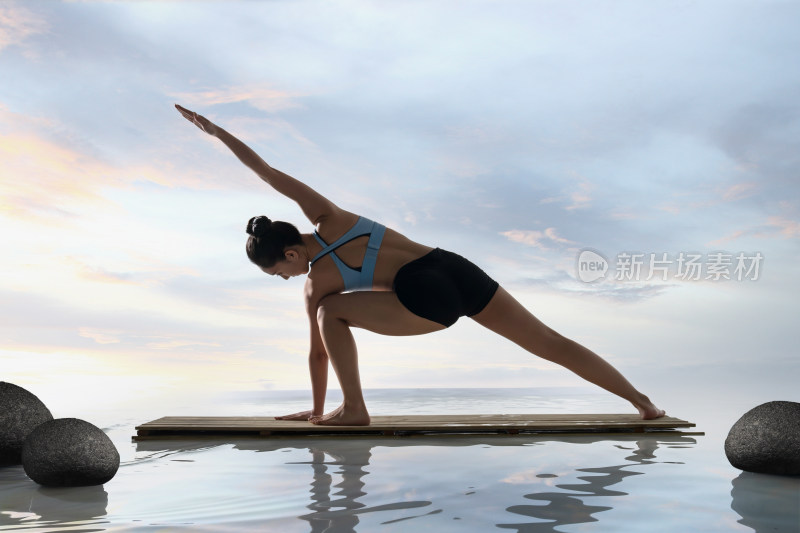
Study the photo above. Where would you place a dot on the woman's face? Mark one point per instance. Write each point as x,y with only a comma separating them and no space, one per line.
291,266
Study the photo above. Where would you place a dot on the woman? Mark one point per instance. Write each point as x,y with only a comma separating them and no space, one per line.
410,289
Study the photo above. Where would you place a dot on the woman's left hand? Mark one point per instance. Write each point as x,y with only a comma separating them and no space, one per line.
198,120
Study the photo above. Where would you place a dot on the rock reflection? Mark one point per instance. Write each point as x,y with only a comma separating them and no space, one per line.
573,507
26,504
767,503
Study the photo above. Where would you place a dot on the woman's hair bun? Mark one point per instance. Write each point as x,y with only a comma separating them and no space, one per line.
269,239
258,226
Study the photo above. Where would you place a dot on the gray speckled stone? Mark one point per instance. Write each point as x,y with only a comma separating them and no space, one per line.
766,440
20,413
68,452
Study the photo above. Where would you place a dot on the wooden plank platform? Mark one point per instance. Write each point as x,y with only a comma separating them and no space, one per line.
258,426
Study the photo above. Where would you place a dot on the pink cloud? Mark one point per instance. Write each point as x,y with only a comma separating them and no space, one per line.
531,237
45,178
788,228
100,336
550,233
739,191
17,24
580,199
728,238
538,239
39,174
774,227
261,97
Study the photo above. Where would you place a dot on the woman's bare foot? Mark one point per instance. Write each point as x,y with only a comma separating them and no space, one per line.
647,409
344,416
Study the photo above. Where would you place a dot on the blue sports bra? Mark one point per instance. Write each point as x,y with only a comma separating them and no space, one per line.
355,278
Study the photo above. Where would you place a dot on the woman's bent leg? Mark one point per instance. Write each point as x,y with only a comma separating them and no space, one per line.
379,312
343,355
506,316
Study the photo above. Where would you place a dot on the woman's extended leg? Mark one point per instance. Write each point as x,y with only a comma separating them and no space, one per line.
506,316
379,312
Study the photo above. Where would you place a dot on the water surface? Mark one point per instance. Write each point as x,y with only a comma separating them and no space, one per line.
520,483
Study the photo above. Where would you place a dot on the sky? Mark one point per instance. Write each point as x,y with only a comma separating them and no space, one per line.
541,139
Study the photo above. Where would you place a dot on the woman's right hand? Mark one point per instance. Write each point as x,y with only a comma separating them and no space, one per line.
198,120
302,415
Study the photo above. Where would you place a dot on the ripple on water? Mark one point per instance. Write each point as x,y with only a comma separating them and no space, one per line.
441,484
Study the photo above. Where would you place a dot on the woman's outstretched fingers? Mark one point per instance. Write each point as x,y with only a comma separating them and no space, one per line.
198,120
188,115
191,116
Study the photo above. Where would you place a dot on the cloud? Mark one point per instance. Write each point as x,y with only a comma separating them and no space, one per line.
17,24
788,228
49,172
40,175
101,275
774,226
44,176
562,283
100,336
728,238
48,324
760,139
261,97
536,238
177,343
621,292
580,198
738,191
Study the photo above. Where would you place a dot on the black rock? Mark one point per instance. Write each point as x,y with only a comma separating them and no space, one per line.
766,440
68,452
20,413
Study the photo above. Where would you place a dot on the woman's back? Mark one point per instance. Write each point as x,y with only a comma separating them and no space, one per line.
395,251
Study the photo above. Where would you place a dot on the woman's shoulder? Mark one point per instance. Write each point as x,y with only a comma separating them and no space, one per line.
335,224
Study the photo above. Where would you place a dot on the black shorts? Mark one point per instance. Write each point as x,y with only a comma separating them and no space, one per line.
443,286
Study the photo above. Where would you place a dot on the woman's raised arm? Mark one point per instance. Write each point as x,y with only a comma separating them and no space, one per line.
314,205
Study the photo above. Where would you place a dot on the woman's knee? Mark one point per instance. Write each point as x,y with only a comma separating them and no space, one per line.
330,308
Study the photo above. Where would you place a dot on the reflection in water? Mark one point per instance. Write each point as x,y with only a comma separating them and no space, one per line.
339,470
767,503
338,473
341,515
570,506
77,505
335,508
574,507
